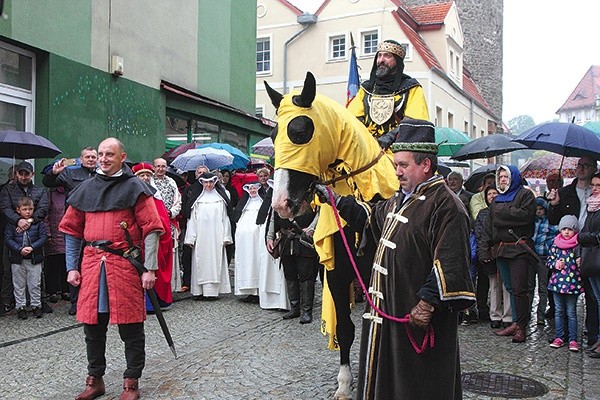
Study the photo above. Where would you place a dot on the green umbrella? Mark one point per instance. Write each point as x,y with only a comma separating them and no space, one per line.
593,126
449,140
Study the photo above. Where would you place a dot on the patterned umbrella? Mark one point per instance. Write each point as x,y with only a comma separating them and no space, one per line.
264,147
209,157
172,154
240,160
540,167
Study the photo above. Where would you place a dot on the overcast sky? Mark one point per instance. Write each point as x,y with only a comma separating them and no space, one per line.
549,45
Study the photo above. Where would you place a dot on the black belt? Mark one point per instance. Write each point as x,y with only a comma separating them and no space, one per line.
99,243
131,254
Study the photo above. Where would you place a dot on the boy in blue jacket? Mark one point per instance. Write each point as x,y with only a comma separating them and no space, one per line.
25,253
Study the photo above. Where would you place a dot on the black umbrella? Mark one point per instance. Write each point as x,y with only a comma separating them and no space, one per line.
487,146
176,175
23,145
444,167
474,181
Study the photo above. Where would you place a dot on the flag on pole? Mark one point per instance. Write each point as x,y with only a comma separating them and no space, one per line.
353,79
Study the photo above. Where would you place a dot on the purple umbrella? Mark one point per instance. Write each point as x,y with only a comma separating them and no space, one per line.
23,145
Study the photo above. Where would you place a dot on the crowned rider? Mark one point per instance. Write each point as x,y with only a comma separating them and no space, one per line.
389,95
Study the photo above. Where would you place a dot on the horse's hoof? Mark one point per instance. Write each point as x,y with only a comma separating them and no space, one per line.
344,378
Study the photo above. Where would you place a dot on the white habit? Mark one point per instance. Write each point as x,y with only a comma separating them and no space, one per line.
209,231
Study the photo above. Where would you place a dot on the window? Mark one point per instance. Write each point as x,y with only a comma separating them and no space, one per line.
263,55
450,120
370,40
337,47
17,94
438,116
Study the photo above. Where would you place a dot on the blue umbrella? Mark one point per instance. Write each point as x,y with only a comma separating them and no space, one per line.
240,160
567,139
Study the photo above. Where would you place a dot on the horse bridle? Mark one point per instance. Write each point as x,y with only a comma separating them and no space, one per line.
352,173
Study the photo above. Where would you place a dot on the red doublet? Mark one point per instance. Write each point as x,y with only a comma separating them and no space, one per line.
125,292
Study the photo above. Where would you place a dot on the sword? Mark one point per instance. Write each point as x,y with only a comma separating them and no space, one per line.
527,248
151,292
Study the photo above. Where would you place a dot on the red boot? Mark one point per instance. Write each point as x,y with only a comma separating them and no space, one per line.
509,331
94,387
130,389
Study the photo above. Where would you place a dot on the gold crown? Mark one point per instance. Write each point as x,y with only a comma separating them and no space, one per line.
392,48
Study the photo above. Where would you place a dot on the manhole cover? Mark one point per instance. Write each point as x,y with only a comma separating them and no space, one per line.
504,385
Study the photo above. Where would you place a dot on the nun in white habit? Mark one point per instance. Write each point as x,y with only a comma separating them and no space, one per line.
257,275
208,232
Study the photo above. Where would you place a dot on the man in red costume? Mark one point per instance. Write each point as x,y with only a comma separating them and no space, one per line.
103,211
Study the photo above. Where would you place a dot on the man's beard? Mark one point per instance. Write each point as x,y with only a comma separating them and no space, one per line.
382,71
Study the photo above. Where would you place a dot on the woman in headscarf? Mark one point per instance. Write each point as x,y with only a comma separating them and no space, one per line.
507,234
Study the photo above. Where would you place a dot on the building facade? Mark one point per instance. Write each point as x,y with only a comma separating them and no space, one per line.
483,27
144,72
583,104
290,42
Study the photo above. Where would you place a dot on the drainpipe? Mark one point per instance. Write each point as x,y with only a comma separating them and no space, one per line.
306,20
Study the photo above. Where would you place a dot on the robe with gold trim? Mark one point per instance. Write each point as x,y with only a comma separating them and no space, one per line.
423,253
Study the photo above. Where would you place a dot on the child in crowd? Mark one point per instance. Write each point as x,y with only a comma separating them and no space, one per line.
543,237
25,253
565,280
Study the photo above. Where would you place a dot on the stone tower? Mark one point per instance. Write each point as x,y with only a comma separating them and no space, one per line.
482,23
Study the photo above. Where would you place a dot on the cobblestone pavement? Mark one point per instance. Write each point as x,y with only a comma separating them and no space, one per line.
233,350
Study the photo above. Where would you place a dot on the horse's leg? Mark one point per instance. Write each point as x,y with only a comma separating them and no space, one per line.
339,284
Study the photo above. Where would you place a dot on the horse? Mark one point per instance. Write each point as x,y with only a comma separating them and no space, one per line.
319,141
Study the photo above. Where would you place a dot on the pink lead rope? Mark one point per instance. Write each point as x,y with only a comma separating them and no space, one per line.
429,339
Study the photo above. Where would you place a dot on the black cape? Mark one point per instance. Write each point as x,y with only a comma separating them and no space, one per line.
106,193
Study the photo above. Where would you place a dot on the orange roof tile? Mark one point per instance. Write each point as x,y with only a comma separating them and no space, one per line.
416,40
585,92
431,13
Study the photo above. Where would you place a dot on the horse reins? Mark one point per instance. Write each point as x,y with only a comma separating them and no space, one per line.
429,339
358,171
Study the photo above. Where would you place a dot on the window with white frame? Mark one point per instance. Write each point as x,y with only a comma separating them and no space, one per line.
263,55
337,47
17,94
407,50
369,42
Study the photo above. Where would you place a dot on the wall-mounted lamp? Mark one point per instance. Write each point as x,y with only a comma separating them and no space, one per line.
116,65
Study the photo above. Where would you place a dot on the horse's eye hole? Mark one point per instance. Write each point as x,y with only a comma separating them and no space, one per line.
300,130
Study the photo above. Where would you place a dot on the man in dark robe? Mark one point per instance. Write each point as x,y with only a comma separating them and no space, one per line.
421,269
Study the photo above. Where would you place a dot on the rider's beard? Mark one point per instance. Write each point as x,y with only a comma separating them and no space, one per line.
382,71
